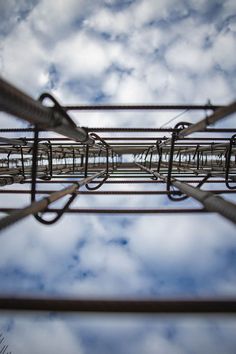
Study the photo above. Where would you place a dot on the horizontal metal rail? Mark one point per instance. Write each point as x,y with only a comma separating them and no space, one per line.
120,306
113,211
139,107
151,130
128,181
49,191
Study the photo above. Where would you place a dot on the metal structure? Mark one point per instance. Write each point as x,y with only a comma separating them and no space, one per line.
188,163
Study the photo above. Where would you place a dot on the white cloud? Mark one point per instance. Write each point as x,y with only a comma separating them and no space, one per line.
172,61
177,243
112,23
184,56
133,90
90,58
47,336
224,46
147,11
24,59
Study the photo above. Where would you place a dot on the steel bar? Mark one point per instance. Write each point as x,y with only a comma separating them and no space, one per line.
141,138
150,130
219,114
17,103
56,168
202,125
113,211
20,142
111,107
210,201
200,171
138,306
113,192
40,205
128,181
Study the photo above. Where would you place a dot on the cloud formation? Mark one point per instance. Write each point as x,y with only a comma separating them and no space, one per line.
123,52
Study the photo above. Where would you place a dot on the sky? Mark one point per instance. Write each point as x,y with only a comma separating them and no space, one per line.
110,51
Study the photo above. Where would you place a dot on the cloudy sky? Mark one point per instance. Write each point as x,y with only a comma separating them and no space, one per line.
119,51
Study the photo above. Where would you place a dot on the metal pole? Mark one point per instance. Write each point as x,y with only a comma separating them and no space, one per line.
215,117
201,126
17,103
111,107
210,201
40,205
148,306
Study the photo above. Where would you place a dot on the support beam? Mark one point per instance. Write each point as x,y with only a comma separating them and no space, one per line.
138,306
17,103
42,204
211,202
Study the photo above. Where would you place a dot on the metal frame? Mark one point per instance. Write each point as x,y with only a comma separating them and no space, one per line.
182,165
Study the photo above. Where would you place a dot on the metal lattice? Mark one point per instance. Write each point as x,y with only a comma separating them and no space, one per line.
188,166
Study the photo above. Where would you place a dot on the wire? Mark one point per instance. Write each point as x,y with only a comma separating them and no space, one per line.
178,115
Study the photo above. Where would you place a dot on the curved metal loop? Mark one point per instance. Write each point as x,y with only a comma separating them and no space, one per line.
177,193
48,177
57,107
8,159
159,151
181,198
168,181
182,125
59,213
33,185
22,163
107,147
169,186
95,136
149,150
232,143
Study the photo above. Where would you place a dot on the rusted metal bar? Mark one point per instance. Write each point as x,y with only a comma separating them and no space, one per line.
116,211
128,181
151,130
146,306
147,107
113,192
211,202
40,205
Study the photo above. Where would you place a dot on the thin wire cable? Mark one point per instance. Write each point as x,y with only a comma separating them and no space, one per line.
172,119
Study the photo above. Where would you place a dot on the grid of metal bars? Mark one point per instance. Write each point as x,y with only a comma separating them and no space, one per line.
187,163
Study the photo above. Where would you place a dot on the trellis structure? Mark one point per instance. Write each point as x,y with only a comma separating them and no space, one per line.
188,163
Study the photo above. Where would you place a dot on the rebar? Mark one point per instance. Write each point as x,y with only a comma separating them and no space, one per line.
179,165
